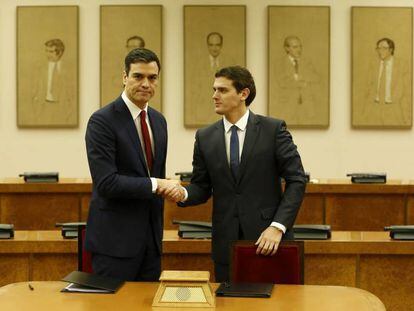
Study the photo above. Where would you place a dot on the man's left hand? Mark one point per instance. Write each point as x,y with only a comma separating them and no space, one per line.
268,241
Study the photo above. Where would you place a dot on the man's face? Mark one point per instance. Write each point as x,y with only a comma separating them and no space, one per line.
52,54
294,48
214,45
383,50
134,43
141,82
225,97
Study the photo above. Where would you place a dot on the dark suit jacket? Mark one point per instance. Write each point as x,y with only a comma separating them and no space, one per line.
122,204
255,199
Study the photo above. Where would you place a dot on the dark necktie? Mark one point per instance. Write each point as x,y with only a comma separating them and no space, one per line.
147,140
295,61
234,151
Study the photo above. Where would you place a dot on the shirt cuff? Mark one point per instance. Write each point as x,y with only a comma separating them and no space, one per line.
154,184
185,195
278,226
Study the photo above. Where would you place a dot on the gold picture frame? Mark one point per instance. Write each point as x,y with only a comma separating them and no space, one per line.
124,27
382,42
47,66
214,37
299,65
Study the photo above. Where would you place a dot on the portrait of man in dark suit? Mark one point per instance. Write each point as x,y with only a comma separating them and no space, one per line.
240,161
126,143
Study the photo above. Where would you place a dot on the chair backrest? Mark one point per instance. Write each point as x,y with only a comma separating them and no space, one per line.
285,267
84,257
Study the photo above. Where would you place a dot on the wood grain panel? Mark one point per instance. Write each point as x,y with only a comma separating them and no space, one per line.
52,267
410,210
14,268
188,262
364,212
85,200
172,212
38,211
391,278
312,210
330,269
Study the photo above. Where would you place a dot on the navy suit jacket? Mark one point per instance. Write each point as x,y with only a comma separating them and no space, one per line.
122,204
255,199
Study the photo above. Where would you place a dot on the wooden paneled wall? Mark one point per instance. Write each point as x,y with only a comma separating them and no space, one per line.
343,205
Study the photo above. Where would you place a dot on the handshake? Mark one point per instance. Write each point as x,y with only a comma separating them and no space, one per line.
170,189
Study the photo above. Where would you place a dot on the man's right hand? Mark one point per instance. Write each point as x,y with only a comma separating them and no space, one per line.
170,189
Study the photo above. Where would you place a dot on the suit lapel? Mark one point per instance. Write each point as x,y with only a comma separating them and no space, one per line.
126,119
252,132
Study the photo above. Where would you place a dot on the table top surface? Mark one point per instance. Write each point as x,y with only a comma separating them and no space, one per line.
322,185
139,296
342,242
172,235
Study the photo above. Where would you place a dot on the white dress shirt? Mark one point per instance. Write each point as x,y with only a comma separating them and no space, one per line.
295,62
52,66
135,113
388,77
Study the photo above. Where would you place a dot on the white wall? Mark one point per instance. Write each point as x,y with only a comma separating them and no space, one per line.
329,153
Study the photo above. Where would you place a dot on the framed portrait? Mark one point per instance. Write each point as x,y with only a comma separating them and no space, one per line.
47,66
214,37
123,28
382,49
299,54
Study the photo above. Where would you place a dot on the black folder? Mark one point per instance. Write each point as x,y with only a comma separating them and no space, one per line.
368,178
312,232
6,231
403,232
70,229
82,282
194,229
253,290
36,177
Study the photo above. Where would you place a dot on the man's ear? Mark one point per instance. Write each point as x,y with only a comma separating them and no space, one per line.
244,94
124,77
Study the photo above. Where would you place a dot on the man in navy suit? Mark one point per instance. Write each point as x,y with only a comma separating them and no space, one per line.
126,143
240,161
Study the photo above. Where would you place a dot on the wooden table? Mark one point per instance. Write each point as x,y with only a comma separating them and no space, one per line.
343,205
139,296
367,260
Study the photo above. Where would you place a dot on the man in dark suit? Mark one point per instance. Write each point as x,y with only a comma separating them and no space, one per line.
240,160
126,144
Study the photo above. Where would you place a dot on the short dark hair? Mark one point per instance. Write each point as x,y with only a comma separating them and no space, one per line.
389,42
141,55
242,79
215,34
58,44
